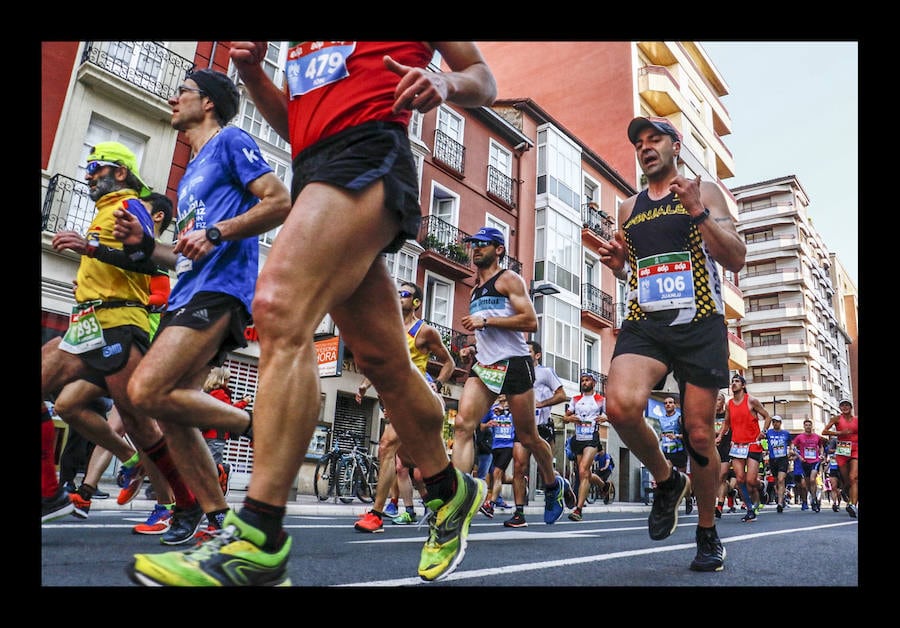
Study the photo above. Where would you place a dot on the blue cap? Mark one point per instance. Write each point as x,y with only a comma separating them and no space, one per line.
487,234
589,374
660,124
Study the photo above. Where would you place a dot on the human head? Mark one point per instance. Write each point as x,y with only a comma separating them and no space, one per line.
415,294
488,236
159,203
738,380
776,421
807,425
220,89
118,155
217,378
659,124
588,381
669,402
845,405
536,351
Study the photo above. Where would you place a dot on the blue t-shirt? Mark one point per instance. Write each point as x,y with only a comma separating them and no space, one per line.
504,432
671,425
214,188
778,442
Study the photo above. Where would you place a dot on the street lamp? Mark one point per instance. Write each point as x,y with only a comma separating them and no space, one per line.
775,403
545,289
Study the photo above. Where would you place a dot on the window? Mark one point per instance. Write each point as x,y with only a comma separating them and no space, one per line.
500,158
438,300
591,192
450,123
402,264
248,117
763,302
141,61
415,125
496,223
444,204
559,167
765,338
558,250
591,354
560,334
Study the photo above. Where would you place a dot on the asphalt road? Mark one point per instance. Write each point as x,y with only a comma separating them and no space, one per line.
606,549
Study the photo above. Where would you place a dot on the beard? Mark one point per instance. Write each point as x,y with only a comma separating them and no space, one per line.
105,184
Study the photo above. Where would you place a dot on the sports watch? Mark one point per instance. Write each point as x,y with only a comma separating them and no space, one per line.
214,235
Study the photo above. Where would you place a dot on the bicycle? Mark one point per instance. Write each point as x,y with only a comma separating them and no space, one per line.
357,473
607,493
329,480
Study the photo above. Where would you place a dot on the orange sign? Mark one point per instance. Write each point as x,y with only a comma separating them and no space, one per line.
330,352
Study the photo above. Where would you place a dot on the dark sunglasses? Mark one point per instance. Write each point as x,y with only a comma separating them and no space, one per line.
93,166
480,244
405,294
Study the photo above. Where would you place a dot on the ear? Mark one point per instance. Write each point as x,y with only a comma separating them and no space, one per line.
416,302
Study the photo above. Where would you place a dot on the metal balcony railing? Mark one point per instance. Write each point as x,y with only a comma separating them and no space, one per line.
145,64
593,299
443,238
67,206
600,377
501,186
453,340
449,152
597,221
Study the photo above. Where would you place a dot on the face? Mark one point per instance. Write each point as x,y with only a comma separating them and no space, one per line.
655,152
807,426
670,405
777,425
187,106
483,253
534,356
845,408
736,385
102,182
720,402
406,295
587,383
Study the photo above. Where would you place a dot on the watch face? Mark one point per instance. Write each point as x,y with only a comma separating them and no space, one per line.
214,235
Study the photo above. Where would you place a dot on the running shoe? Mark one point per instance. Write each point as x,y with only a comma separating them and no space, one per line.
749,517
70,487
852,510
100,494
56,507
804,506
369,522
718,512
516,521
575,515
779,508
82,505
710,551
555,498
688,505
224,470
448,524
487,509
130,479
231,556
158,522
816,505
663,517
835,508
183,525
499,503
391,510
405,518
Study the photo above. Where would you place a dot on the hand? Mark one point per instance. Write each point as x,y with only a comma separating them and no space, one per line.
612,253
127,229
71,240
247,53
418,89
688,191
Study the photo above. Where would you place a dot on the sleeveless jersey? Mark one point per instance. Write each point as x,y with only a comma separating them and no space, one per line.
419,358
744,424
588,409
663,228
671,424
494,344
101,281
321,102
853,437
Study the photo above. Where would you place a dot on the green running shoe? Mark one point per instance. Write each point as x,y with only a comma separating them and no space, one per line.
228,557
404,519
448,525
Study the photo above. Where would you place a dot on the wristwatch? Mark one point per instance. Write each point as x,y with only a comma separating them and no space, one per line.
696,220
214,235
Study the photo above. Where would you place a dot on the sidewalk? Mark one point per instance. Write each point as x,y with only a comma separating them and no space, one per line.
310,505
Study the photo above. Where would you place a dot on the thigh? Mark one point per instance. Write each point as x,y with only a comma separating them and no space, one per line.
180,357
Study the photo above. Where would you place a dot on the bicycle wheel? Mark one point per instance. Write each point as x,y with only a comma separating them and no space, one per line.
610,494
347,470
365,486
323,479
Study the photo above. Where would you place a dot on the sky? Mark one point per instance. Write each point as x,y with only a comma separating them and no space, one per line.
794,111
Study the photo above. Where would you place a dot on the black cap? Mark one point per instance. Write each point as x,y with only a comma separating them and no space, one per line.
740,377
660,124
220,89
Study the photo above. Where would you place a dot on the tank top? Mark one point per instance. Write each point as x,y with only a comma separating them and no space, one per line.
744,424
853,437
671,276
419,358
494,344
322,102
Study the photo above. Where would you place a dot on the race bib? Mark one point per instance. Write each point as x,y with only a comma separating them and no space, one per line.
778,451
844,448
810,453
739,450
665,282
84,333
493,375
314,64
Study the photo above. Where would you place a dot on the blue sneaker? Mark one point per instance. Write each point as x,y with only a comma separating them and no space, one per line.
501,504
391,510
554,500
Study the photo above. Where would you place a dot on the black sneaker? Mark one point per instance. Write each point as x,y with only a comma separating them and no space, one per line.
56,507
749,517
835,507
688,505
100,494
710,552
779,508
666,498
718,512
184,525
516,521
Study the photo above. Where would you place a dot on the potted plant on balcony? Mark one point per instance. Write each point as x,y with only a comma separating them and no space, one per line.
457,252
432,243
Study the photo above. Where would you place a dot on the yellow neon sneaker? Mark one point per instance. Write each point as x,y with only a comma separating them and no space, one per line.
228,557
448,525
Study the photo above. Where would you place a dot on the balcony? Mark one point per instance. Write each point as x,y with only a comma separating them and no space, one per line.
734,301
454,341
445,252
596,307
144,64
737,353
67,206
450,154
500,187
601,380
596,224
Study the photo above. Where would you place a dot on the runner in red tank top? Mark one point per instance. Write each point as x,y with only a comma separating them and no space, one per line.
845,427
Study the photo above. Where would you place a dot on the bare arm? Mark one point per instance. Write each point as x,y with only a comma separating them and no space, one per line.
718,231
435,346
559,396
613,254
268,98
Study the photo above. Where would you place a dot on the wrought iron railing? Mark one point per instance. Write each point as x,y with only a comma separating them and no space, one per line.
501,186
449,152
443,238
601,380
453,340
67,205
597,221
593,299
145,64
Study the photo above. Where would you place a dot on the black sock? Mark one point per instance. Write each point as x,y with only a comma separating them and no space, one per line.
266,518
441,485
86,491
216,518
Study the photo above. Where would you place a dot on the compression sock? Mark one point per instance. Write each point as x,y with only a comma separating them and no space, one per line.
266,518
216,518
49,481
442,485
159,454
